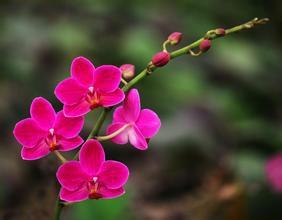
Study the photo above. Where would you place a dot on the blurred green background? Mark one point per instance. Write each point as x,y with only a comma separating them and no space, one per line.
221,112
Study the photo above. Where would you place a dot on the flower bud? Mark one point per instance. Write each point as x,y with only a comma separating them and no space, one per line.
205,45
161,58
127,70
174,38
220,32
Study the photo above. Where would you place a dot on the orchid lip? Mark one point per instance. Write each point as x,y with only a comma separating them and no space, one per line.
51,130
95,178
93,98
93,189
51,140
91,89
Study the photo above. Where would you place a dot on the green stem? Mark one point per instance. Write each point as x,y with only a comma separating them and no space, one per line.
60,156
135,80
95,131
150,68
99,123
58,209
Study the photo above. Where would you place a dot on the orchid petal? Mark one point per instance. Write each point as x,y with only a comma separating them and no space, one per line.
148,123
79,109
113,174
82,70
69,91
74,196
111,193
68,127
107,78
43,113
131,106
38,151
121,138
71,176
91,157
111,99
69,144
137,139
28,133
118,115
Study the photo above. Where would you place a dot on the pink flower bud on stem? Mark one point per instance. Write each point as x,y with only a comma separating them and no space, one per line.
128,71
205,45
174,38
161,59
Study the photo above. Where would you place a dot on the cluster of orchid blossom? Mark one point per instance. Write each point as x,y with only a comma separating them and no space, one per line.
91,177
85,90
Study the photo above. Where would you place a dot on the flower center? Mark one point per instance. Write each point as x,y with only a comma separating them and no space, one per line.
51,140
93,98
95,178
93,189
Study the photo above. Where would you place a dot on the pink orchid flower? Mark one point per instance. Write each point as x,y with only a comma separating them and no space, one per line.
47,131
140,124
91,177
273,170
89,88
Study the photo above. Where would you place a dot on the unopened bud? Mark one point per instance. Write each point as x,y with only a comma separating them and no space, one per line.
174,38
161,58
205,45
127,70
220,32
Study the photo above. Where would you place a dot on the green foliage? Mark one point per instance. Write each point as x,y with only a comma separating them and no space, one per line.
103,209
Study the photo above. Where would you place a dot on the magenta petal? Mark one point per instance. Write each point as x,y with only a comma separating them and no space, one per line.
111,99
76,110
37,152
111,193
91,157
121,138
43,113
137,139
148,123
68,127
131,106
69,91
107,78
71,176
113,174
69,144
273,169
27,132
74,196
118,115
82,70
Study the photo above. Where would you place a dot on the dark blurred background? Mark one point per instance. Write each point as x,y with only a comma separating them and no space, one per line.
221,112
